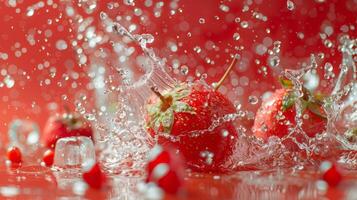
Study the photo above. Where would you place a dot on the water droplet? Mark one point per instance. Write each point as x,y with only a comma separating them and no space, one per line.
110,5
244,24
290,5
61,45
236,36
9,82
184,70
300,35
328,43
88,5
103,15
253,100
224,133
224,8
201,20
197,49
328,67
129,2
30,12
274,61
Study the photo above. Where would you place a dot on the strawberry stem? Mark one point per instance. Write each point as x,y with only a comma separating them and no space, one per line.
229,69
166,101
157,93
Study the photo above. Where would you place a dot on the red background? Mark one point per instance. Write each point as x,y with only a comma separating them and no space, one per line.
30,97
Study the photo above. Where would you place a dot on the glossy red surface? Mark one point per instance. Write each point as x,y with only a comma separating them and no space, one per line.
32,181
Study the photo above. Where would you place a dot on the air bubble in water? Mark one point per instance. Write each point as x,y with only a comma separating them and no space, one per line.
290,5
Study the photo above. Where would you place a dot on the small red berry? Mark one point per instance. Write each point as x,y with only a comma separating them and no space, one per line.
166,169
48,157
14,155
331,174
95,178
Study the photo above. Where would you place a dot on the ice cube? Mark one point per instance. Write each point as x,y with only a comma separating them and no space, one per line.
74,153
24,134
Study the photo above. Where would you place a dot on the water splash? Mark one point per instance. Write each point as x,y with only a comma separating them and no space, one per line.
123,140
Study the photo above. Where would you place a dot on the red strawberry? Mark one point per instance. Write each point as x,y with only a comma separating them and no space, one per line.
66,125
277,115
166,169
331,174
187,113
95,178
48,157
14,155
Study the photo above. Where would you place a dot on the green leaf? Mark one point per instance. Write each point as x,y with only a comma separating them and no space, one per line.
316,109
286,83
165,119
288,100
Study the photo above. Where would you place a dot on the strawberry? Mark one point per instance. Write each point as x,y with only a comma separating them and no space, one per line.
66,125
94,177
182,117
166,169
14,155
277,115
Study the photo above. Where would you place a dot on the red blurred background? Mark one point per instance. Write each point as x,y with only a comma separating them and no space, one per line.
47,78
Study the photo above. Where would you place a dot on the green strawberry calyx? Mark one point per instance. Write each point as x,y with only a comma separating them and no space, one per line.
161,113
309,101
